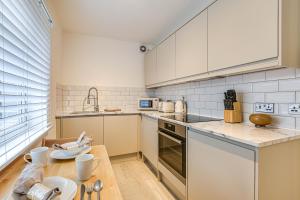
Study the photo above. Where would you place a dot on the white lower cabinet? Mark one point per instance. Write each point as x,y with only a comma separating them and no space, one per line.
73,127
121,134
219,170
149,139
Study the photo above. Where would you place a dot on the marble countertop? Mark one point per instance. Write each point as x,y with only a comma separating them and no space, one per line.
243,133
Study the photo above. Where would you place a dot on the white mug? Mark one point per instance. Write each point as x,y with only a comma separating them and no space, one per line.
85,165
38,155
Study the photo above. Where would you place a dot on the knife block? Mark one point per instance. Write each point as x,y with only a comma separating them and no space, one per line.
235,115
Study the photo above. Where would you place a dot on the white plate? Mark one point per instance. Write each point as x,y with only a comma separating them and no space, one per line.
67,187
62,155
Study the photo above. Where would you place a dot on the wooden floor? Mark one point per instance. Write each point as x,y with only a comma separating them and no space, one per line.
137,182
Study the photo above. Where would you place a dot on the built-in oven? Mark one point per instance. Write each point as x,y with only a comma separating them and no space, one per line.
172,148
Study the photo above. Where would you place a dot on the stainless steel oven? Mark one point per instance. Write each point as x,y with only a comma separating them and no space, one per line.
172,148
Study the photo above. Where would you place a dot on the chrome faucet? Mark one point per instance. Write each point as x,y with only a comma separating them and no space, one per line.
93,97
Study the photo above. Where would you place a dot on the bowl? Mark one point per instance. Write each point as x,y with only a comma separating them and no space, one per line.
260,120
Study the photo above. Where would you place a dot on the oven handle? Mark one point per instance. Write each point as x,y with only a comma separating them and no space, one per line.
169,137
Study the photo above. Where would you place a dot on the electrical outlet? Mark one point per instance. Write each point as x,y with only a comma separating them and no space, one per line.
264,107
294,109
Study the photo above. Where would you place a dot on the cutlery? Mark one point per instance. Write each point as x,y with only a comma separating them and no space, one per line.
89,190
98,187
82,191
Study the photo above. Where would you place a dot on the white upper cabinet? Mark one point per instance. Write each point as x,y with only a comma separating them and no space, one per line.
166,60
191,47
150,67
242,32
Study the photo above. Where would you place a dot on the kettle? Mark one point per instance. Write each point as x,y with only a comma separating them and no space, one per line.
180,106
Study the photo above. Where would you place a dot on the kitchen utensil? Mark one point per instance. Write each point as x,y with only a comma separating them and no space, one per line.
89,191
233,112
38,155
82,191
260,120
98,187
85,165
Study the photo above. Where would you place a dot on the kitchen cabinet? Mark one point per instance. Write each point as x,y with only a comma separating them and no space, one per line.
219,170
149,139
166,60
242,32
191,47
73,127
121,134
150,67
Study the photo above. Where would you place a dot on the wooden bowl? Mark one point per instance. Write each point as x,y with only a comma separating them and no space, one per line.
260,120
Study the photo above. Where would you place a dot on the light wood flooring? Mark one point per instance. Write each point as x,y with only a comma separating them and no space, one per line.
137,182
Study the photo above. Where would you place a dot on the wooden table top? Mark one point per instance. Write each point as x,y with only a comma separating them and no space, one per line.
66,168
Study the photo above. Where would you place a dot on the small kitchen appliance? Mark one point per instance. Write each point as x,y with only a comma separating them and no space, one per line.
180,106
148,103
168,107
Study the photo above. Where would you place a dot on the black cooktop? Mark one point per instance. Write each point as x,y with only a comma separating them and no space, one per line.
188,118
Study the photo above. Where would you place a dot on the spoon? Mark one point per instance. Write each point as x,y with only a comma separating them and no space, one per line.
98,187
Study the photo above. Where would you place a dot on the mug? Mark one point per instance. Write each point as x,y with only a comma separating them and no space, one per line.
85,165
38,155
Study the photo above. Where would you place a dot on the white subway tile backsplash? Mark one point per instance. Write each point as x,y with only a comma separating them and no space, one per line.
284,122
283,109
243,88
280,97
247,107
252,97
289,85
234,79
298,123
212,105
267,86
254,77
298,72
123,97
285,73
297,97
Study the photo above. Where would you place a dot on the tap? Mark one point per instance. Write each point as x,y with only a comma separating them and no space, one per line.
93,97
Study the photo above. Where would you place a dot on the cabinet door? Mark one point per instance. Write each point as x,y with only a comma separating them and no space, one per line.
166,60
93,126
191,47
121,134
150,139
219,170
150,67
241,32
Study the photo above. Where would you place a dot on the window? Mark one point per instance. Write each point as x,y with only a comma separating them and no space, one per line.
24,76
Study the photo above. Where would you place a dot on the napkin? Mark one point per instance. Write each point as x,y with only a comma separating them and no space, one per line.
81,141
41,192
31,174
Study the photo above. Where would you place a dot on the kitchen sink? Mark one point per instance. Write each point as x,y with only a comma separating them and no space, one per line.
84,112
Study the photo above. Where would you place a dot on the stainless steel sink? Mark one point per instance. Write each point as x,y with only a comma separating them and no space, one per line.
83,112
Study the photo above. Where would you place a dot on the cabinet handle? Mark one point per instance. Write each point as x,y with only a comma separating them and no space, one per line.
169,137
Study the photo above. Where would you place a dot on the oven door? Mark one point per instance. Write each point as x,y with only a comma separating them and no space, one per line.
172,154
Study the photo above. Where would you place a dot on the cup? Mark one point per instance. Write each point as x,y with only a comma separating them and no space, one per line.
38,155
85,165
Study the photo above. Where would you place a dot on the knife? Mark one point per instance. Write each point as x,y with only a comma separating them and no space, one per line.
82,192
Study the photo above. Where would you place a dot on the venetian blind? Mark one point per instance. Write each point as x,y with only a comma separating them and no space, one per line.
24,76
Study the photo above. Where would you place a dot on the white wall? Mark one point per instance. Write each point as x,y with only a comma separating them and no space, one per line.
91,60
56,55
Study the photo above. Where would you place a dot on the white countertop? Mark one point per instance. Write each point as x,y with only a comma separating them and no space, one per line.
243,133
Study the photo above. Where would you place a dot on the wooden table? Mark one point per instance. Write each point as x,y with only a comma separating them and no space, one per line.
66,169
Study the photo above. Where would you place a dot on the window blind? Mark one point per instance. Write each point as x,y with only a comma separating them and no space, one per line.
24,76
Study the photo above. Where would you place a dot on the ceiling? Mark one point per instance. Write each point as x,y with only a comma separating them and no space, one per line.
145,21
